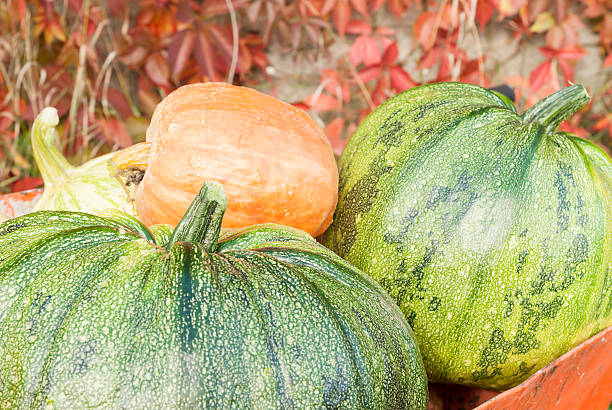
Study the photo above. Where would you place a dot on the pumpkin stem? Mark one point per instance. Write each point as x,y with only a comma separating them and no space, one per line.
51,163
201,223
555,108
135,156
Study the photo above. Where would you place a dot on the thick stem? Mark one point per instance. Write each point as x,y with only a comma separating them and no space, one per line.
135,156
555,108
51,163
201,223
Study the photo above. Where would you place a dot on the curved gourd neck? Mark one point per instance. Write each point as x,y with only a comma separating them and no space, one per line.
51,163
201,224
555,108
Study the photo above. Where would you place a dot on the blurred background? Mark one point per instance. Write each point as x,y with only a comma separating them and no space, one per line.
106,64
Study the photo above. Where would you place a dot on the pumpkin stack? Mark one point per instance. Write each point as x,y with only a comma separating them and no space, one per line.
490,231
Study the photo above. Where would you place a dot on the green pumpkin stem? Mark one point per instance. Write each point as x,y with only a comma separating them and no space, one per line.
555,108
51,163
201,223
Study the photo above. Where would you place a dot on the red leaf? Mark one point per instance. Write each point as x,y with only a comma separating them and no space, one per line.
484,12
259,58
376,4
205,56
179,50
400,79
369,73
146,96
385,42
608,61
429,58
157,69
327,7
548,52
380,92
330,77
444,69
536,7
26,183
321,102
341,16
571,53
539,75
245,59
390,54
594,10
574,129
361,6
334,134
186,12
605,33
222,38
603,122
134,57
384,31
555,37
372,52
397,8
358,49
119,102
449,18
358,27
114,132
301,106
22,8
470,73
346,92
424,29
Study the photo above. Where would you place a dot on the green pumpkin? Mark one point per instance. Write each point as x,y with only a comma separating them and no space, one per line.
101,311
492,232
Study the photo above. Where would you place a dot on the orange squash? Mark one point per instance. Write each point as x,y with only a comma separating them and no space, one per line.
274,162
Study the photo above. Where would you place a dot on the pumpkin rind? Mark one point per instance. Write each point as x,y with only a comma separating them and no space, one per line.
491,232
94,314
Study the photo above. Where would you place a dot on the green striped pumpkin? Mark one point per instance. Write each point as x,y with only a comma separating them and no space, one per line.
101,311
492,232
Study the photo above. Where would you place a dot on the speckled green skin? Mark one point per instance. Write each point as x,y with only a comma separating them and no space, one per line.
491,232
94,312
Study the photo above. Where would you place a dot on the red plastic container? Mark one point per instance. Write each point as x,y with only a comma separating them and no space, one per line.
581,379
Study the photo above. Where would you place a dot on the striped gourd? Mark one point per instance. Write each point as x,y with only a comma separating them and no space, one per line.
101,311
491,231
93,187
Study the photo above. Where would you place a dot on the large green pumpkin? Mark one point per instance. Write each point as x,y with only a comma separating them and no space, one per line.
103,312
491,231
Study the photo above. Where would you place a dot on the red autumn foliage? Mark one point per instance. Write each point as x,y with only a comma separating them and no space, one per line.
105,64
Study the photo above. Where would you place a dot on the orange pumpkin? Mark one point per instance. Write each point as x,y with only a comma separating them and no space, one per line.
274,162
